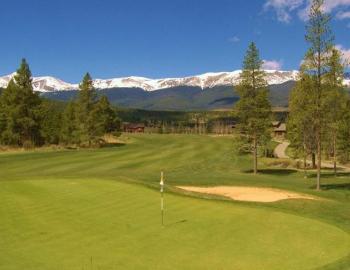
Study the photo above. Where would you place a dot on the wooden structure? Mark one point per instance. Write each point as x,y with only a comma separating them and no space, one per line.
279,129
134,127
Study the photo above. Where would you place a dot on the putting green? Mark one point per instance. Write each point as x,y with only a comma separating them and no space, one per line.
101,224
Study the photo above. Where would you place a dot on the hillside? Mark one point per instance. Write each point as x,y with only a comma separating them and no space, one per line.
209,91
182,98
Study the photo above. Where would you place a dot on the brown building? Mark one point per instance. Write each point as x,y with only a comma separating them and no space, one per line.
279,129
134,127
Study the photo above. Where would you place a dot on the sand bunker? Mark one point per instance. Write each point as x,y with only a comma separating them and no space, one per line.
252,194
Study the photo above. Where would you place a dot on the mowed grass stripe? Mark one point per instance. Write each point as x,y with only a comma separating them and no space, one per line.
60,208
71,162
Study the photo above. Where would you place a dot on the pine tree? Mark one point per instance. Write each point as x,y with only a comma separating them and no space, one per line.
335,102
68,134
10,133
85,120
23,77
344,133
253,110
320,38
50,122
107,119
300,124
21,110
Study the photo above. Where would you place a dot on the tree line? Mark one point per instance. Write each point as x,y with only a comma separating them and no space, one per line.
319,107
27,120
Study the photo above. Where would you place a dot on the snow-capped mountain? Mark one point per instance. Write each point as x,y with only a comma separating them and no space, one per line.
5,80
42,84
50,84
207,80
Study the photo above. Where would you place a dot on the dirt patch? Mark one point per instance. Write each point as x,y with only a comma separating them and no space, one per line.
251,194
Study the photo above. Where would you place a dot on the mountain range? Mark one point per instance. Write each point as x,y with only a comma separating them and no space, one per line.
208,91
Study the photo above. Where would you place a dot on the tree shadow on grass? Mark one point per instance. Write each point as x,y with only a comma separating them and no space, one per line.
278,172
330,175
342,186
112,145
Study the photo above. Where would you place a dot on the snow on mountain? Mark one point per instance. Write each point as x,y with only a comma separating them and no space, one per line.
128,82
42,84
50,84
6,79
207,80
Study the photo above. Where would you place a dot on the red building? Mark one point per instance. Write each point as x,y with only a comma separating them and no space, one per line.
134,127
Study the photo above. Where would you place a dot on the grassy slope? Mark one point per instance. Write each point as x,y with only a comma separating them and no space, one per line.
62,223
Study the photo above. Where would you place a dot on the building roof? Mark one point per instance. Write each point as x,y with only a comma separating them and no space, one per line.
276,123
281,128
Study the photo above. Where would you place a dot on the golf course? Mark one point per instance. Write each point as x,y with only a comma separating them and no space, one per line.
100,209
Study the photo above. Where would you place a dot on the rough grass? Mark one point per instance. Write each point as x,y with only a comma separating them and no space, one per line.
59,209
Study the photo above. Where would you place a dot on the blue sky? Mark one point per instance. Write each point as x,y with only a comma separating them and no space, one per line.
155,38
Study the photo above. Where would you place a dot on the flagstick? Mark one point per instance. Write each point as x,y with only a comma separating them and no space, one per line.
161,196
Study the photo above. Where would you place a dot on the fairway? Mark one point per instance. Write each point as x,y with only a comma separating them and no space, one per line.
100,209
115,156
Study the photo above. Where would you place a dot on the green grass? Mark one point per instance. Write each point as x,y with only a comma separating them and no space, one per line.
60,210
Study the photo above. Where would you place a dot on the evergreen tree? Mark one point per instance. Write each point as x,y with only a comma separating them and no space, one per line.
300,124
107,120
320,38
85,119
335,102
20,108
68,134
50,122
344,133
10,133
253,109
23,77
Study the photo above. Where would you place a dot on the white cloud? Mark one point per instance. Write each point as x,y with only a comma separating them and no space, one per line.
272,64
329,6
234,39
345,53
341,15
303,14
283,8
